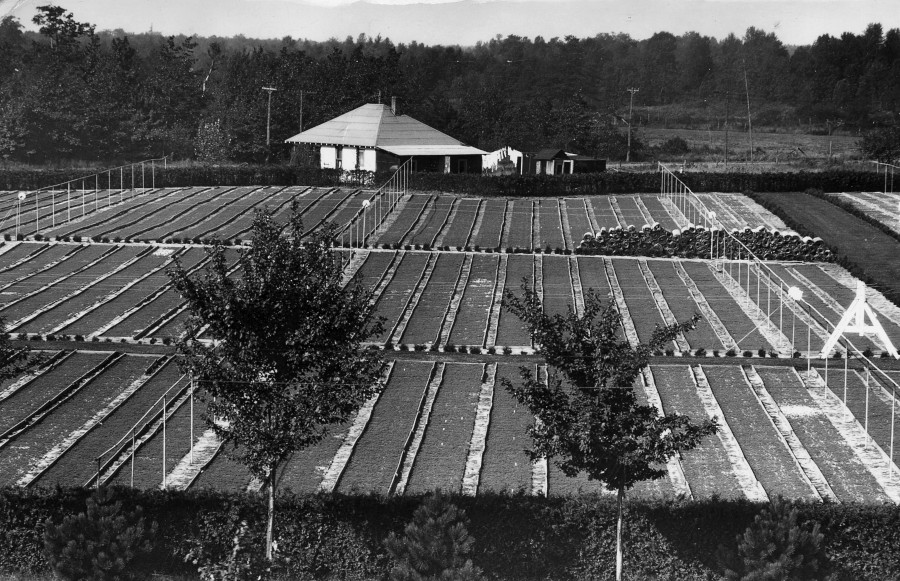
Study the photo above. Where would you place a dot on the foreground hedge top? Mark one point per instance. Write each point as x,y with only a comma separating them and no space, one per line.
517,536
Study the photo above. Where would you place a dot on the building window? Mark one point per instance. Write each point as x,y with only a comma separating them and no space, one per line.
360,158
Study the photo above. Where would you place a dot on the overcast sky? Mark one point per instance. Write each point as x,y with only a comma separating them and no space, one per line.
468,21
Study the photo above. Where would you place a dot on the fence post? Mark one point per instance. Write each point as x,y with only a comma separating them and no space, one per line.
191,443
143,185
68,201
121,184
164,443
83,194
132,456
152,174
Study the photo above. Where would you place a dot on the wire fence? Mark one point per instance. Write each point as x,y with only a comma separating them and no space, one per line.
771,296
376,210
34,211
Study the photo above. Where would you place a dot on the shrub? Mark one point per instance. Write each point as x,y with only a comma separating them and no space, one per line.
419,347
715,353
95,340
388,346
796,355
867,352
747,353
509,250
475,350
434,347
670,352
78,338
776,547
701,352
99,544
761,352
23,336
730,353
491,350
403,346
38,237
449,348
76,238
435,545
7,237
245,562
507,350
105,239
167,340
477,248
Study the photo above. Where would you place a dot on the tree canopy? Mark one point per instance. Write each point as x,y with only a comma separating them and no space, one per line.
70,92
285,358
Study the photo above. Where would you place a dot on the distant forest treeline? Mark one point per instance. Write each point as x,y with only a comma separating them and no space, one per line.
68,92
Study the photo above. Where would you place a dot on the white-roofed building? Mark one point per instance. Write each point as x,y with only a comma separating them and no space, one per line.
374,138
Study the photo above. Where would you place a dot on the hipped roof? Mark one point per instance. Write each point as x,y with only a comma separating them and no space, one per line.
374,125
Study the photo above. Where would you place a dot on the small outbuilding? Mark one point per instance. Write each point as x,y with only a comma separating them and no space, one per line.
559,162
374,137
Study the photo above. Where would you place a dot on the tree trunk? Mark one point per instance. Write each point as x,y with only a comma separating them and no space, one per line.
619,549
270,525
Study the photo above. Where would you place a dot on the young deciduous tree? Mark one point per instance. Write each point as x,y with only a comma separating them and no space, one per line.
286,358
588,417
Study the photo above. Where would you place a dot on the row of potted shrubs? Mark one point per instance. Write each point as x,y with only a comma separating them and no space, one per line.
448,348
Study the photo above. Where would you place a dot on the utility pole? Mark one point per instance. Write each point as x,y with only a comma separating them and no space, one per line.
749,123
269,90
301,106
631,90
727,94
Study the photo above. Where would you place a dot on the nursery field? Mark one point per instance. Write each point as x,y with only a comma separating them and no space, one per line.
446,424
883,207
421,220
442,300
444,221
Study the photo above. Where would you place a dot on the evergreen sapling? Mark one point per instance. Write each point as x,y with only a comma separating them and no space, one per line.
435,545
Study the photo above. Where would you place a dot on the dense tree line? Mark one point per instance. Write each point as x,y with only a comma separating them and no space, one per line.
70,92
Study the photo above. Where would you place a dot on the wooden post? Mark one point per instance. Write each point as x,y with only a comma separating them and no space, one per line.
164,443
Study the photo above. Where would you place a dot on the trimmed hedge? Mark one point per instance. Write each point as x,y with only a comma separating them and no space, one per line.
695,243
475,184
516,536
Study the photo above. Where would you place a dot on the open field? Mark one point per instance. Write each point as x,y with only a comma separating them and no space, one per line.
54,429
785,147
120,292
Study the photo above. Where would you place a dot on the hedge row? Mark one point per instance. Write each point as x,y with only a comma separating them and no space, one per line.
516,536
474,184
697,243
